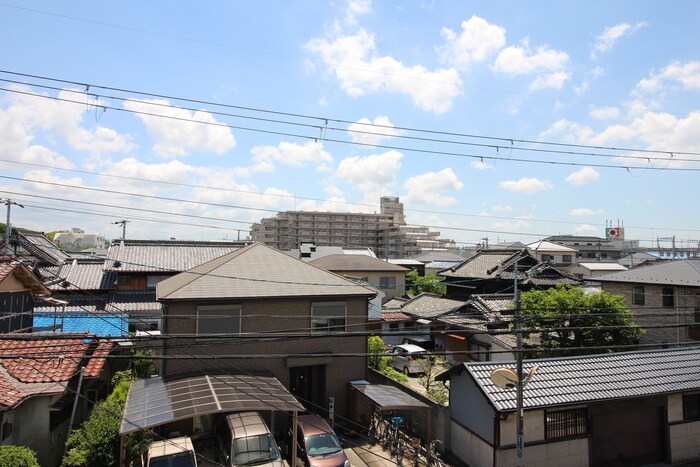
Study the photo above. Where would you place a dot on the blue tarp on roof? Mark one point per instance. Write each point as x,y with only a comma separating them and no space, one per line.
99,324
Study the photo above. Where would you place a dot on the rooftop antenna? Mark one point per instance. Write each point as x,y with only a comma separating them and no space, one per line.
123,223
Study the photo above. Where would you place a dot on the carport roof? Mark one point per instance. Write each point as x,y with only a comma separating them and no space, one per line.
155,401
391,398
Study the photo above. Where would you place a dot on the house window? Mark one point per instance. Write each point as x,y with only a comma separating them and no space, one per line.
387,282
667,297
393,326
151,281
638,295
547,258
566,258
328,316
691,406
478,351
124,280
218,319
559,424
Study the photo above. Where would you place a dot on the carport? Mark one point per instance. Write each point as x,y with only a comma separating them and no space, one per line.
367,398
157,401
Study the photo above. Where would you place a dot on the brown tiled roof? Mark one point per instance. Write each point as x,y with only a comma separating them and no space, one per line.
394,316
32,366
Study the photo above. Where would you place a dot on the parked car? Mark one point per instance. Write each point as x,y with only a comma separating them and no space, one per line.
409,358
244,439
317,444
175,452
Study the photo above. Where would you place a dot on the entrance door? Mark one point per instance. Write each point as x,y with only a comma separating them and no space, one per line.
308,385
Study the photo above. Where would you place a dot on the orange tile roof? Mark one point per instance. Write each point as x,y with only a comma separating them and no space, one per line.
33,366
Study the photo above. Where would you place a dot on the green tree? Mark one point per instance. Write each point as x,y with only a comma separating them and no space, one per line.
17,456
435,389
375,347
97,441
430,283
567,317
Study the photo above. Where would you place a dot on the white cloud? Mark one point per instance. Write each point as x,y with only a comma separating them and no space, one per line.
27,113
499,208
526,185
371,172
605,113
355,9
428,187
478,40
365,131
551,80
584,176
584,212
610,35
518,60
569,131
590,76
361,70
549,64
291,154
481,165
178,131
688,74
171,172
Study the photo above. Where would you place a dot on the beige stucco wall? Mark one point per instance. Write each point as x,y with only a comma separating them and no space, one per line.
374,279
258,316
569,453
11,284
684,436
30,427
468,447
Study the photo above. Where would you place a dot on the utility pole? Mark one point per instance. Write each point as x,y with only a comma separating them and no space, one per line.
123,223
8,226
519,443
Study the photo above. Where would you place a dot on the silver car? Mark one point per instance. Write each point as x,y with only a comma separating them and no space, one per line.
409,358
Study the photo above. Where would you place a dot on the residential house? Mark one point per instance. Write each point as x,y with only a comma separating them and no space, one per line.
19,291
479,330
494,271
557,255
621,409
382,275
258,309
42,389
595,269
665,299
639,258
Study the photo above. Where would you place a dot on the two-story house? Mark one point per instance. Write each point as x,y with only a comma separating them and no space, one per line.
258,309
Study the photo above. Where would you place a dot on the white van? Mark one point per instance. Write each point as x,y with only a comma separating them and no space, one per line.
175,452
243,439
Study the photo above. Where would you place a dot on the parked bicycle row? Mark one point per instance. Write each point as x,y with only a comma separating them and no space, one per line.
392,434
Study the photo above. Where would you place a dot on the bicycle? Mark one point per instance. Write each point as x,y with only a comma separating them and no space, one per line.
434,459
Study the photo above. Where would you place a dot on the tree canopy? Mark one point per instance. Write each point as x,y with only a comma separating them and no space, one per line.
429,283
578,322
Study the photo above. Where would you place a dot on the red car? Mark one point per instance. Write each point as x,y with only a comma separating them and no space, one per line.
317,444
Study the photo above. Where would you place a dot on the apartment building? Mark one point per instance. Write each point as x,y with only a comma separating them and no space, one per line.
386,232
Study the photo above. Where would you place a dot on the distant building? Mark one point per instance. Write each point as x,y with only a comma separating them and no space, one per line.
77,240
589,247
386,233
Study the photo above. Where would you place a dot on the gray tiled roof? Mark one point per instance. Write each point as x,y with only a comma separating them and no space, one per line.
485,264
427,305
357,263
38,245
257,271
593,378
76,274
680,273
160,256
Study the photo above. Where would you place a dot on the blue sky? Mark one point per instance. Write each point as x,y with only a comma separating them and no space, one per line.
502,120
